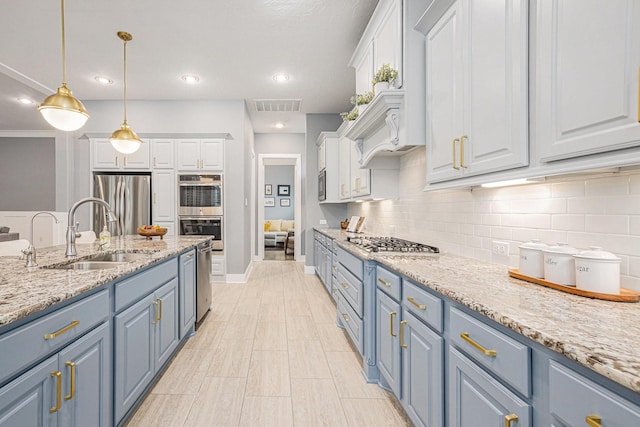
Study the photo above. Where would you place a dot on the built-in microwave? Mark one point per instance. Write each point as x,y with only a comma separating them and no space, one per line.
322,185
200,195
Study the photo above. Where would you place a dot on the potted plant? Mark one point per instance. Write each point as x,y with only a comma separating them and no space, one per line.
350,115
361,100
384,78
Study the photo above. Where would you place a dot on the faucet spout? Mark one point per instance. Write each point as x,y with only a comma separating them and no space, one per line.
71,227
30,252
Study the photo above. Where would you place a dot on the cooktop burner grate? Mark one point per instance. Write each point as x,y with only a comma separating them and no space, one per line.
392,244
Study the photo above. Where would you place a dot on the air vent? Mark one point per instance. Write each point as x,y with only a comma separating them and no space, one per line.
277,105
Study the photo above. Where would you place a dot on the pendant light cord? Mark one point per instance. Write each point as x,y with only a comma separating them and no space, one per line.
64,56
125,81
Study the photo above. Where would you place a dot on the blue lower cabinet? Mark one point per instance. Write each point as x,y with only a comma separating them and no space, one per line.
477,399
387,344
167,330
187,292
423,368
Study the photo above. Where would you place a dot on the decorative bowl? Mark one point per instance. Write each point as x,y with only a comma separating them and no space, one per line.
150,232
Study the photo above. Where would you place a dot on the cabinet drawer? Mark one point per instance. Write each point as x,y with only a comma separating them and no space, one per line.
132,289
351,289
422,304
509,359
573,397
27,344
388,282
352,263
351,321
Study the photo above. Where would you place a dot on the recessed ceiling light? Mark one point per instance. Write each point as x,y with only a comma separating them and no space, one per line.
190,79
281,77
104,80
279,125
25,101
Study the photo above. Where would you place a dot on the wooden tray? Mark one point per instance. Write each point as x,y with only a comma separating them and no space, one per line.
626,295
150,233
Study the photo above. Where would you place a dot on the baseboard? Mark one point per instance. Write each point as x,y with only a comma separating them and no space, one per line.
240,278
309,269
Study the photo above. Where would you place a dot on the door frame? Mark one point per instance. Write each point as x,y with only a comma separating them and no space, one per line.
294,160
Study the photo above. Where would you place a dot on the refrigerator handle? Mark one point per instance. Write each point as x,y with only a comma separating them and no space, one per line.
123,208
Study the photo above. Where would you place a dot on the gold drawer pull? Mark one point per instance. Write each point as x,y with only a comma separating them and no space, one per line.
59,332
402,344
384,282
453,156
393,313
344,285
72,392
509,418
160,316
345,317
420,306
465,336
155,312
462,138
593,421
58,376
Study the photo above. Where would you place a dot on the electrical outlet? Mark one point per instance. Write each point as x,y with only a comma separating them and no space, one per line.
323,222
500,248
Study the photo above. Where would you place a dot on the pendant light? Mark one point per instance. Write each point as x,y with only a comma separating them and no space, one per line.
61,110
124,139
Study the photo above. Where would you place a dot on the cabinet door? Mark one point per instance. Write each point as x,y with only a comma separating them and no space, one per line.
387,40
188,154
423,367
322,155
87,377
164,195
476,399
387,340
444,96
187,292
162,154
138,160
360,178
212,154
586,81
26,401
167,329
364,70
345,168
104,156
134,358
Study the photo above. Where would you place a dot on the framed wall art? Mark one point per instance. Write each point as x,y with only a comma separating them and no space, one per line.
269,201
285,202
284,190
268,191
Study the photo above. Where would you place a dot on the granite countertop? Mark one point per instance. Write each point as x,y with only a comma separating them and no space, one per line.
601,335
24,291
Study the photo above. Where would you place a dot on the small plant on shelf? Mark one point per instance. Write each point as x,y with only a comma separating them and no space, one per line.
384,78
349,115
361,99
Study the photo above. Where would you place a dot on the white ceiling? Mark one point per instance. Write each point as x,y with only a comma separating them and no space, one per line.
234,46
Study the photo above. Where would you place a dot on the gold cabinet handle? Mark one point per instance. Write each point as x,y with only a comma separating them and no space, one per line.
155,198
593,420
72,391
160,303
124,161
465,336
116,157
402,344
393,313
344,285
154,161
453,153
462,138
59,332
155,309
345,317
420,306
384,282
509,418
58,376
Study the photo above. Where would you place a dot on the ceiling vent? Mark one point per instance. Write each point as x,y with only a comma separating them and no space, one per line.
278,105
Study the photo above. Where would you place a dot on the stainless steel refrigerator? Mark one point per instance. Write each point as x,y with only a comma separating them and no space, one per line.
129,196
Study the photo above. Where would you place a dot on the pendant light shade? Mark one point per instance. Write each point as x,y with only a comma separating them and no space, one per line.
125,139
61,110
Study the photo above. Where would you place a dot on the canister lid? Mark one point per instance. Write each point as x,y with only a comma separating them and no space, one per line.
534,244
596,253
561,248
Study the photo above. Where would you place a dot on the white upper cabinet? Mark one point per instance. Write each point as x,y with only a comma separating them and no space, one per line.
164,196
105,157
344,152
196,154
476,86
587,65
162,154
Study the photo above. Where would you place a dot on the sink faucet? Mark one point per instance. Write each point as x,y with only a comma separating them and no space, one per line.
71,227
30,252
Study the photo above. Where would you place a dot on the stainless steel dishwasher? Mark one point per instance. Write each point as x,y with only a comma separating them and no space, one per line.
203,284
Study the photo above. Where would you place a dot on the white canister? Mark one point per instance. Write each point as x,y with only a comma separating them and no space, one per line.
598,271
531,262
559,265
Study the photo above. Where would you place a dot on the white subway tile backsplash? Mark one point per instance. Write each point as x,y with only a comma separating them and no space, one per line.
490,219
612,224
607,186
502,233
482,230
634,184
552,206
568,222
527,220
585,205
634,225
567,189
628,205
501,207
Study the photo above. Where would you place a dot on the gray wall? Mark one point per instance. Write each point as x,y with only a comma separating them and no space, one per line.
279,175
28,168
314,212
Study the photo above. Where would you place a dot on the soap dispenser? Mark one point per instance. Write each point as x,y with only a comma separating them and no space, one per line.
105,238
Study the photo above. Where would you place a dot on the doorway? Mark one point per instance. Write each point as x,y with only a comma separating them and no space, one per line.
279,207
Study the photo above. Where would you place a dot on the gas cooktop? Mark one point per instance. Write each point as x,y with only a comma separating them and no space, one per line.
391,244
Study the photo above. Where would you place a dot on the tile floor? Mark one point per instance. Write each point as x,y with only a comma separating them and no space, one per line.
269,354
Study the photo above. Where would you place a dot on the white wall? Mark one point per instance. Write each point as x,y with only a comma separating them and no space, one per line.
275,175
600,211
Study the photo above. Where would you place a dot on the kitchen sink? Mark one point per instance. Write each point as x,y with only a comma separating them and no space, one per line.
102,261
88,265
118,257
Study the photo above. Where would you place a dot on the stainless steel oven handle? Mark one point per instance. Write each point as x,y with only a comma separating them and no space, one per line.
198,218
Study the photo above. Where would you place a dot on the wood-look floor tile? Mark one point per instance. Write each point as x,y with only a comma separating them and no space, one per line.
162,410
297,307
306,360
373,413
266,412
301,328
322,310
226,294
248,306
269,374
231,359
207,336
271,336
219,403
185,374
332,337
241,327
316,403
272,312
350,383
220,312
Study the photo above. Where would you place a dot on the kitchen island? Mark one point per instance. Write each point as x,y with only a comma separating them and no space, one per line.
602,337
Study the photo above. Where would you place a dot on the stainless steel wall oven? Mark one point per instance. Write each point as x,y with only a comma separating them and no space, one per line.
200,195
203,226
